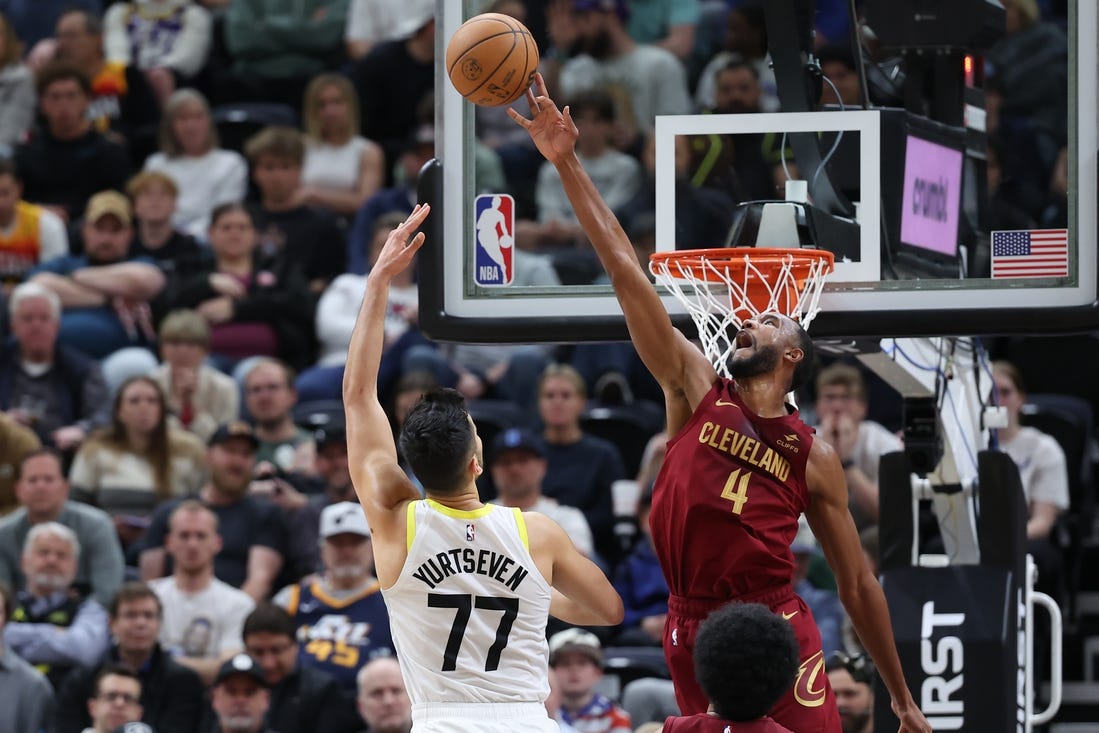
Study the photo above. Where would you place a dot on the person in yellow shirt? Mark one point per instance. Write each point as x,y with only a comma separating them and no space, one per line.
29,234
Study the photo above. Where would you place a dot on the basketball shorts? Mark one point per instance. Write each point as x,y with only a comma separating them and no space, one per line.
483,717
808,707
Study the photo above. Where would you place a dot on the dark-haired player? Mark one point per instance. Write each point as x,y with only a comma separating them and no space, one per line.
746,658
741,467
469,586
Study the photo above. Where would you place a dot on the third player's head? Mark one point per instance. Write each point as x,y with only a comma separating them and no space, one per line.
440,442
769,343
746,658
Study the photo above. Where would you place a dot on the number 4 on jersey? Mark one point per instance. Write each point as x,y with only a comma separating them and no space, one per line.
736,489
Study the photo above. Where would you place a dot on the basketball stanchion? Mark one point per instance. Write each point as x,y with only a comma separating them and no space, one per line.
722,288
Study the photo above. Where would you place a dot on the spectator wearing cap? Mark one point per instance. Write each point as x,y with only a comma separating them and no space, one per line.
43,495
332,483
172,697
303,699
199,397
253,543
68,160
852,680
340,617
53,389
518,464
26,698
653,79
576,657
825,604
203,615
54,626
104,295
115,699
382,698
240,697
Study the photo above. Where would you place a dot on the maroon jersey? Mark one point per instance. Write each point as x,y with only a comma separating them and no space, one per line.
727,500
706,723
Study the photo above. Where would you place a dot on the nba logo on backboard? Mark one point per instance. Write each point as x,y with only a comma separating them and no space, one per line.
494,221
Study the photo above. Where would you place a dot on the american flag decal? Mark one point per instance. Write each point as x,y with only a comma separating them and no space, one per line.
1033,253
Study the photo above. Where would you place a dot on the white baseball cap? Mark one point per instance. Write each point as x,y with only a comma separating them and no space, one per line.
345,517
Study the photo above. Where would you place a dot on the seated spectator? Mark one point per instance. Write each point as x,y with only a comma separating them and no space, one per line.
104,295
667,25
255,306
115,699
824,604
154,195
342,169
277,47
15,442
172,696
303,698
121,101
203,616
370,22
383,700
205,175
576,657
167,40
68,160
253,536
580,467
745,40
340,617
16,89
29,234
43,496
28,698
54,626
332,483
270,398
36,20
138,461
640,582
518,466
53,389
239,697
746,659
842,405
290,231
199,397
852,681
616,175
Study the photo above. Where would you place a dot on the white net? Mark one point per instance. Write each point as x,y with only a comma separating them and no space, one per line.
723,288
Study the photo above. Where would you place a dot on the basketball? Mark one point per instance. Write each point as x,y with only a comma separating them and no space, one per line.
491,59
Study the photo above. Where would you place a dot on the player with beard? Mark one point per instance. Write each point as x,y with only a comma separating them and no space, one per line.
741,467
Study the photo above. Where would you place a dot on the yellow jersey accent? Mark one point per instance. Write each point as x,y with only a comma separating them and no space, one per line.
295,599
522,524
336,603
460,513
410,524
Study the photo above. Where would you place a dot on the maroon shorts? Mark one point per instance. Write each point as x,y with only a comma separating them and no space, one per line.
808,707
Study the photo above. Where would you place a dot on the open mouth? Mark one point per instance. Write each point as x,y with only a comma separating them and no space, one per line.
743,339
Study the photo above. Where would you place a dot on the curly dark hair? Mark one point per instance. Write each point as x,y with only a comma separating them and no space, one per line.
746,658
438,440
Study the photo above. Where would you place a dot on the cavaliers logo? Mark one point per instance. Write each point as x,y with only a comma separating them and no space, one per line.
811,686
471,69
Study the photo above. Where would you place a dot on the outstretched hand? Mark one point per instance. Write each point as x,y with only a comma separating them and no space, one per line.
553,132
911,720
399,250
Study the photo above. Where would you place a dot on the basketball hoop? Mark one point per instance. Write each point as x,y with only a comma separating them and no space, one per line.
722,288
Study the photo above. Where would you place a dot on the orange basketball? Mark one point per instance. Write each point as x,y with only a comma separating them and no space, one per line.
491,59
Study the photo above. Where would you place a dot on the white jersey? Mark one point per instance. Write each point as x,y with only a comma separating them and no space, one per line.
468,612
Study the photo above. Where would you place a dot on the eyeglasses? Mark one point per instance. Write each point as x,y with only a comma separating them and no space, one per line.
115,696
858,666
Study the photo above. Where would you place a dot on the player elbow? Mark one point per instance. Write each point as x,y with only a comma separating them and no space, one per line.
613,611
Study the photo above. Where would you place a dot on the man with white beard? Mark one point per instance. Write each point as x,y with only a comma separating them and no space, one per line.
340,617
240,696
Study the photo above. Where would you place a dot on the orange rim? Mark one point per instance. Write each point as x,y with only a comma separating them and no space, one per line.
768,260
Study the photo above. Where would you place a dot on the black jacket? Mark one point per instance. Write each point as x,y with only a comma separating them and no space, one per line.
310,701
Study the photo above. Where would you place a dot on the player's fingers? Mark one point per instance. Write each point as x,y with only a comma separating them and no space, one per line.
531,101
518,118
540,82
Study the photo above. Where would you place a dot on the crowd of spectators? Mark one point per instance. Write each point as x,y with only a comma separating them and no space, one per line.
191,193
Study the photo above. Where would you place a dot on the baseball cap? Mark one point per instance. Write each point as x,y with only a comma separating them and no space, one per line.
575,640
109,202
329,435
804,542
345,517
515,439
621,7
241,664
235,429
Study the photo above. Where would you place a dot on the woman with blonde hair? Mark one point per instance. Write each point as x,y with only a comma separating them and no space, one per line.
342,169
205,174
130,466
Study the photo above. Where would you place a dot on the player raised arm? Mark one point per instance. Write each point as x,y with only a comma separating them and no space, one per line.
860,592
681,369
380,483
